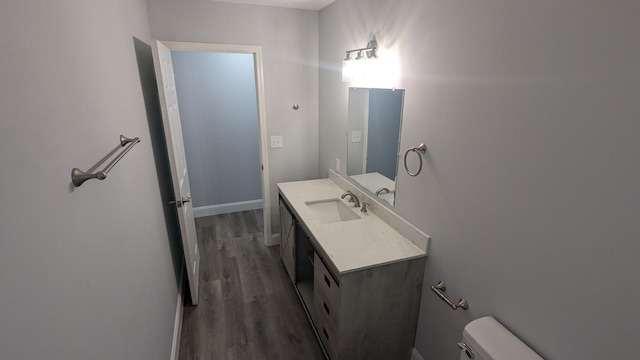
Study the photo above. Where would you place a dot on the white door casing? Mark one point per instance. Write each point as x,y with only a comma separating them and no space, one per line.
256,51
177,162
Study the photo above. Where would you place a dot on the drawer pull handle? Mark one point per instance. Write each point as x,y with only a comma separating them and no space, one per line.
326,308
325,333
326,279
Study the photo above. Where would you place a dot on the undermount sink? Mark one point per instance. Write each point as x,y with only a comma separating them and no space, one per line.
331,211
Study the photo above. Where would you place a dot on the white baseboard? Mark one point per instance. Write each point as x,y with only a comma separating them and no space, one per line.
275,239
177,325
415,355
201,211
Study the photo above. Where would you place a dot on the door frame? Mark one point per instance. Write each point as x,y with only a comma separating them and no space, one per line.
256,51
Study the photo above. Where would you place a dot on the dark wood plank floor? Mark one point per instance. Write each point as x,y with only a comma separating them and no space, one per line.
247,308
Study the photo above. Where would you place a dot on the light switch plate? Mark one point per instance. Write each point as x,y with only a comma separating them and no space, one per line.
276,141
356,136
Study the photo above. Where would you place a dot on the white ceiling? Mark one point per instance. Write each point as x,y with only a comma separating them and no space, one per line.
294,4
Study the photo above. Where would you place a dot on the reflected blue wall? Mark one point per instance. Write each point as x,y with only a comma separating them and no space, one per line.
385,114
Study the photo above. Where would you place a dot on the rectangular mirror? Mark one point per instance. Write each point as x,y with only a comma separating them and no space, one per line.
373,140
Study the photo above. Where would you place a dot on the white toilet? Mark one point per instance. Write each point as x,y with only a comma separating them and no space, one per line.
487,339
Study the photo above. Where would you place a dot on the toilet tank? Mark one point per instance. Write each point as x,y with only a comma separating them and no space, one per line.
487,339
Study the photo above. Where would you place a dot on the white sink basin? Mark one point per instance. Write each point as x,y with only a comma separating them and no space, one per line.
331,211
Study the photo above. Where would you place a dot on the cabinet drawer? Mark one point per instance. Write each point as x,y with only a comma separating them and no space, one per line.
325,310
325,285
327,335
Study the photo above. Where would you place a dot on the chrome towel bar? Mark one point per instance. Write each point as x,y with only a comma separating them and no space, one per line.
440,288
78,177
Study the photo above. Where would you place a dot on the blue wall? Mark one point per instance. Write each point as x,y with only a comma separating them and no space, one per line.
385,115
218,109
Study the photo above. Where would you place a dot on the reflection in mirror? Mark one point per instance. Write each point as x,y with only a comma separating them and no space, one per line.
373,139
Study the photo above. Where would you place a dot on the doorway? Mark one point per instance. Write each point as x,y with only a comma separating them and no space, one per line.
236,180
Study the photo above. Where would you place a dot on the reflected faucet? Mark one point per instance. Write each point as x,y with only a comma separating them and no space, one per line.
382,190
352,198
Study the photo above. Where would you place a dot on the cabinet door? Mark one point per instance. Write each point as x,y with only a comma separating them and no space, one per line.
287,241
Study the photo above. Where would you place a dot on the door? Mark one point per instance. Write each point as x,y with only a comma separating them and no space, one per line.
287,241
177,162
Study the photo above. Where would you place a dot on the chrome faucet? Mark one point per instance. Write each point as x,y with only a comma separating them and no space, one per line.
352,198
382,190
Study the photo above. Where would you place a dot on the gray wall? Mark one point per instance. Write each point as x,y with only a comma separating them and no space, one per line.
289,40
219,115
84,272
530,188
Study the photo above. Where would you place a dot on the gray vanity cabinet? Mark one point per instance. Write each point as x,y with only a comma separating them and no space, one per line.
365,314
368,314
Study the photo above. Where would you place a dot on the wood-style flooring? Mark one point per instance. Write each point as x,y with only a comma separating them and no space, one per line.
247,307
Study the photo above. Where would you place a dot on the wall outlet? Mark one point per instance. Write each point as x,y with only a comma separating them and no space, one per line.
276,141
356,136
337,164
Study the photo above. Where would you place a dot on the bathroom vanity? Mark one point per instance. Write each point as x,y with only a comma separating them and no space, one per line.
357,274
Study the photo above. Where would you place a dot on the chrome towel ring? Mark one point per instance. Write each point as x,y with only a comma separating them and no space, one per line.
421,149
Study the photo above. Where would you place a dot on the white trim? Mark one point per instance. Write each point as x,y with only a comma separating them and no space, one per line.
262,112
201,211
177,325
415,355
209,47
264,154
275,239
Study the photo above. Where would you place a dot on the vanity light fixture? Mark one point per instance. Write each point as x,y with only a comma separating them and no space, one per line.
354,65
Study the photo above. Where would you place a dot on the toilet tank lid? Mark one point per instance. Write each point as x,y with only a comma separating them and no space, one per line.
491,340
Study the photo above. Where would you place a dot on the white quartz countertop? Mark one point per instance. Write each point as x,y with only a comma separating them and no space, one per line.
354,244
